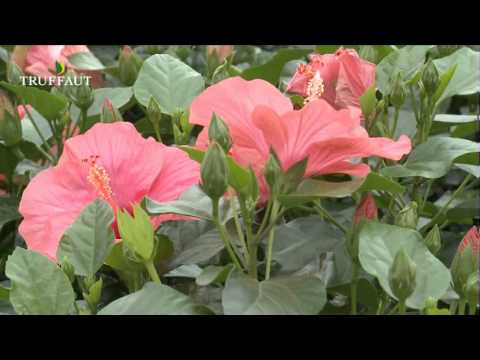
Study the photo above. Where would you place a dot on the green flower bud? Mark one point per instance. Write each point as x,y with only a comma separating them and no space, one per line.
273,172
214,172
369,53
398,92
14,73
218,132
408,217
129,64
154,112
10,126
94,294
433,240
110,113
402,275
464,264
472,290
430,78
68,269
84,96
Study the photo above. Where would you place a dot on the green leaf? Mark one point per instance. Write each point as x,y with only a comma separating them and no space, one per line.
443,82
213,275
85,61
4,293
170,81
295,295
376,181
89,240
378,245
200,250
311,189
408,59
48,104
466,79
188,271
117,260
272,69
368,101
39,286
8,210
471,169
433,158
301,241
238,177
28,130
154,299
455,119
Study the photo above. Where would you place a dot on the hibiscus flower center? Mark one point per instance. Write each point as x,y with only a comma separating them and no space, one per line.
315,87
100,180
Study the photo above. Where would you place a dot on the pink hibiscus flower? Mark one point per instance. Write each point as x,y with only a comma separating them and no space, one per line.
112,162
259,117
340,78
39,60
472,238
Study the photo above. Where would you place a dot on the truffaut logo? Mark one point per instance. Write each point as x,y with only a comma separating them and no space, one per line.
57,80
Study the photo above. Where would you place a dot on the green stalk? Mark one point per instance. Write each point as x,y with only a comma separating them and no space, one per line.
83,119
453,308
353,288
395,122
461,306
223,233
402,307
238,226
329,217
437,216
150,266
271,237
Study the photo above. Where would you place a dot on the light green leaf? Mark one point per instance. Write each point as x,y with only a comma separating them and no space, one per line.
455,119
48,104
85,61
299,242
466,79
311,189
433,158
200,250
213,274
39,286
170,81
154,299
272,69
89,240
471,169
378,245
408,59
376,181
187,271
295,295
28,130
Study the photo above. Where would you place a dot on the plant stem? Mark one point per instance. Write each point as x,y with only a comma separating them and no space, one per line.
271,237
426,194
437,216
461,306
329,217
223,233
238,226
150,266
402,307
472,309
395,122
83,119
453,308
157,132
353,288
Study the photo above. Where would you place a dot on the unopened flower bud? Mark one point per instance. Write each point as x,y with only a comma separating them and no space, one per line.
366,209
10,126
84,96
273,172
214,172
14,73
129,64
472,290
465,262
154,112
433,240
94,294
430,78
408,217
218,132
398,92
110,113
402,275
220,51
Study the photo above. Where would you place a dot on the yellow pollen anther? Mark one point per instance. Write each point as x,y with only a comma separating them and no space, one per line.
315,87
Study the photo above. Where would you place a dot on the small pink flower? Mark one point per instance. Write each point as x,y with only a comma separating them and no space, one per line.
40,60
340,78
472,238
112,162
367,209
259,116
22,112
